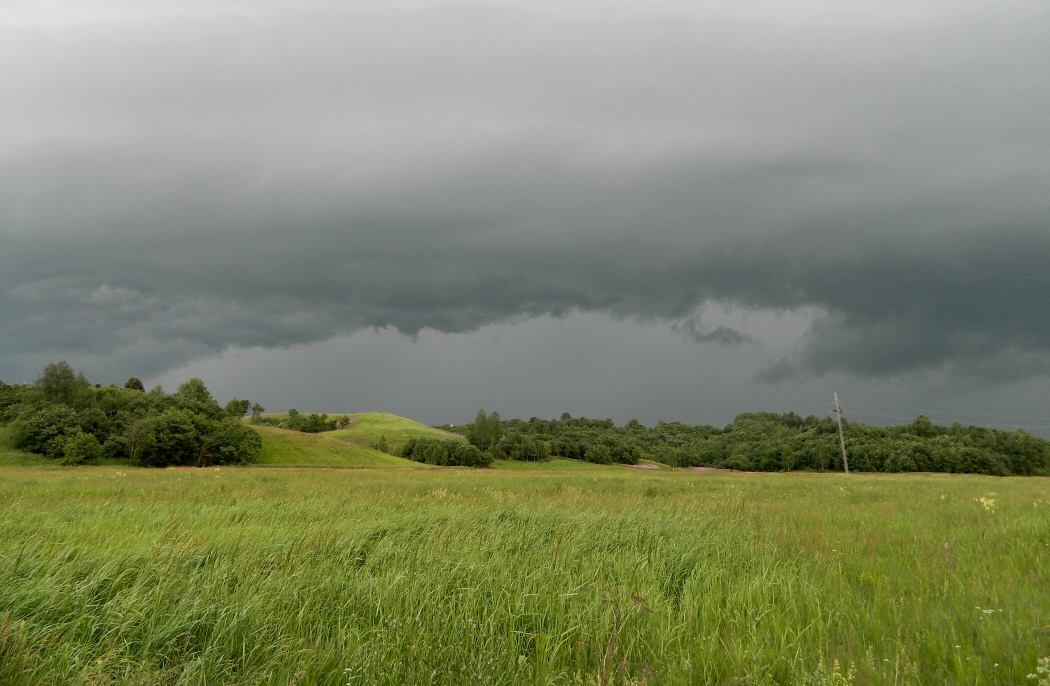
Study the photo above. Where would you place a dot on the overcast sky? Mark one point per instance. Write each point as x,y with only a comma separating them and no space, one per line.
617,208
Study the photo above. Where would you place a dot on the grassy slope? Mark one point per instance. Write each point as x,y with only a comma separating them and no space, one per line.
285,448
349,447
367,427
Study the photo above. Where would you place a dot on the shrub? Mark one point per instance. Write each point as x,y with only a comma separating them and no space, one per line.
80,448
45,430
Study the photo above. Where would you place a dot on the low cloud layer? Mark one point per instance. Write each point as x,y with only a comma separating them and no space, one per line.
175,183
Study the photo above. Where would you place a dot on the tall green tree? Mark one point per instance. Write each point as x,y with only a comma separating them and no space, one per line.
196,397
486,430
138,438
237,407
60,384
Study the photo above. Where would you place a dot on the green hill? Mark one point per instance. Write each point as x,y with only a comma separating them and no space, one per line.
349,447
286,448
367,427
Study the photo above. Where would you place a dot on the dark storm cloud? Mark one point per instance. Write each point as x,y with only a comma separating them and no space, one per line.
725,335
177,183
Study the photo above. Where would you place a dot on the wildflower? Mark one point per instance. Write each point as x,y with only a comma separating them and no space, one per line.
1042,672
987,503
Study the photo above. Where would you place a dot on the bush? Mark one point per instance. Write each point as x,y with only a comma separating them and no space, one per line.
45,431
65,418
237,443
81,448
740,462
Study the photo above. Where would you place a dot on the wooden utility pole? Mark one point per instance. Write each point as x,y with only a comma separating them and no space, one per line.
842,436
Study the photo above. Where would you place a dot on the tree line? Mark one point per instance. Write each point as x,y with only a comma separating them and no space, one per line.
65,418
62,416
450,452
295,420
766,441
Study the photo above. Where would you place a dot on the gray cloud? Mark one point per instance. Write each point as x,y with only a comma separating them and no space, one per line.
176,183
721,334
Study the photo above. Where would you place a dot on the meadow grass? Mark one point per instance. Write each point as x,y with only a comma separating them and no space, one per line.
556,464
449,576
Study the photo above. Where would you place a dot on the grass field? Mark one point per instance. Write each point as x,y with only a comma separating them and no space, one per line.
597,576
553,465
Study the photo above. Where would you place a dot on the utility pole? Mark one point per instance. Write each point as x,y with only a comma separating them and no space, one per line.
842,437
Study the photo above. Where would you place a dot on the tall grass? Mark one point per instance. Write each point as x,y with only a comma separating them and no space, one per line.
615,576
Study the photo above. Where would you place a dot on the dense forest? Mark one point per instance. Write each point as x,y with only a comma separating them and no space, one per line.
64,417
766,441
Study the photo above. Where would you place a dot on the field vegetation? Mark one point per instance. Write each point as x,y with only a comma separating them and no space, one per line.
607,575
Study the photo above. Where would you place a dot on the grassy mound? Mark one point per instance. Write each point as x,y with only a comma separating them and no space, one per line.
366,428
285,448
353,446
